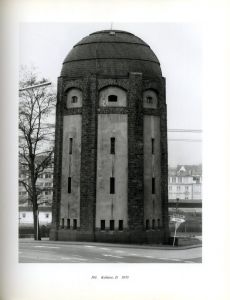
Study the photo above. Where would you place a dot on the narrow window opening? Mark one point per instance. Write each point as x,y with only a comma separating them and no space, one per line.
70,145
153,185
102,224
120,227
112,98
74,99
62,223
69,185
74,223
147,224
68,223
112,185
158,223
153,146
112,145
111,227
153,224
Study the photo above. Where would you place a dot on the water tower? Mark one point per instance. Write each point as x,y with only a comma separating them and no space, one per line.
111,169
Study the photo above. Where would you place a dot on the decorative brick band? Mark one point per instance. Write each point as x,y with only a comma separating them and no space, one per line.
112,110
72,111
151,112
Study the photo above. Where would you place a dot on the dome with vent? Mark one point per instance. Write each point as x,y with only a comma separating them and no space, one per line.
111,53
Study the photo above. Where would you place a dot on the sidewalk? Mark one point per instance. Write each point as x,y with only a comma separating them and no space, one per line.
142,246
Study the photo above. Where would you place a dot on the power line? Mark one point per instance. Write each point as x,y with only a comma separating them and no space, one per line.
185,130
184,140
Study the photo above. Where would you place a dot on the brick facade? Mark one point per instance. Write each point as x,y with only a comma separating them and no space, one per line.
134,85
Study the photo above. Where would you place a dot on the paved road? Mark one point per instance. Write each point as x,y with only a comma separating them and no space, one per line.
68,252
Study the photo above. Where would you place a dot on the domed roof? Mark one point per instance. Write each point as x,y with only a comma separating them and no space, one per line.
111,53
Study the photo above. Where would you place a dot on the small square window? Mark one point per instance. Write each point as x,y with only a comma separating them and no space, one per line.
149,99
111,226
102,224
74,99
112,98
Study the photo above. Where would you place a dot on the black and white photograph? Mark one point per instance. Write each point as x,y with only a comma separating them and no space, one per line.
120,180
114,150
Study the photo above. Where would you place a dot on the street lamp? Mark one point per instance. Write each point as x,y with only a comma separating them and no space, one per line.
34,86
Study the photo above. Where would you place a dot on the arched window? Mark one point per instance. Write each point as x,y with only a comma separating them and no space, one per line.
150,99
112,98
74,98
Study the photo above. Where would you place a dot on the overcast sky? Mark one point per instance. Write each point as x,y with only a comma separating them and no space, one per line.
178,47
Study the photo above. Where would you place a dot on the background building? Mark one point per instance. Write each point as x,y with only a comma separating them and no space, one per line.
44,186
26,216
111,173
185,196
185,182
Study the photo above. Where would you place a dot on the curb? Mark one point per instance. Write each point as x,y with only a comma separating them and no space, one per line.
154,247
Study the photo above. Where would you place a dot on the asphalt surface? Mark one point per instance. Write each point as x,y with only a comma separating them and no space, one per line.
31,251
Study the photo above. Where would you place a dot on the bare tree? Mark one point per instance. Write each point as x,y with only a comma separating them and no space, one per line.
36,135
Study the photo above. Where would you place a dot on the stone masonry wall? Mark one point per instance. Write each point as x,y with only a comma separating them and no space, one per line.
135,154
88,156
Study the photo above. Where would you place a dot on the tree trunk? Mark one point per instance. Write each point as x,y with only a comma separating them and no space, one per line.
37,234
